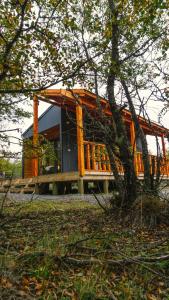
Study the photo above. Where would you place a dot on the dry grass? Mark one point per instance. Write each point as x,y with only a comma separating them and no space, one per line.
33,241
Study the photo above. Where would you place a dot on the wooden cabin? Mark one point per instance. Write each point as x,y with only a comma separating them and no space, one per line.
80,156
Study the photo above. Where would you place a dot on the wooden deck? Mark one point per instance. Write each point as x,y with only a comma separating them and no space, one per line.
28,185
95,167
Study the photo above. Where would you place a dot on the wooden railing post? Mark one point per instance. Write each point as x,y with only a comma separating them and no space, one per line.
80,145
164,161
35,134
99,157
103,158
93,157
108,166
163,146
88,157
133,144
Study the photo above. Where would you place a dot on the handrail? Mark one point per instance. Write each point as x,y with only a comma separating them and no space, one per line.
93,143
96,159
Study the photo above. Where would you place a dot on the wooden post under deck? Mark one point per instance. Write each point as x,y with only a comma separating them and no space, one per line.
134,147
163,146
35,133
80,145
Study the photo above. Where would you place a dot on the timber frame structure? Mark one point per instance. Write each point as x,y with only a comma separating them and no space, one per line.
92,159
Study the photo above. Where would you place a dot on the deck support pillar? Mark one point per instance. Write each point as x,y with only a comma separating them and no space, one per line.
106,186
134,147
81,186
80,145
55,188
35,135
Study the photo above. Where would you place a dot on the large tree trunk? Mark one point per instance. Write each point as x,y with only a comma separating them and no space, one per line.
126,157
140,133
119,183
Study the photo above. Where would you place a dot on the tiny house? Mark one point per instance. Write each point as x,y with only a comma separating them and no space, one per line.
77,150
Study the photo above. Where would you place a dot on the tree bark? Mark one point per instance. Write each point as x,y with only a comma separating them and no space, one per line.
140,133
130,179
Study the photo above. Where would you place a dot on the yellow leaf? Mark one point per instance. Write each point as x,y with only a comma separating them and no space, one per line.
25,281
38,286
151,297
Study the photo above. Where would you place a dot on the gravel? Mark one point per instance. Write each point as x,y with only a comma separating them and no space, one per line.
65,198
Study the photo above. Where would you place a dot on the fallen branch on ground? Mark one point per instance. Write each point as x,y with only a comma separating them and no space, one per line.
120,262
92,237
92,260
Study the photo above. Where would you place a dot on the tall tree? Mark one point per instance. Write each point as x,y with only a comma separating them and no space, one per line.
116,44
132,38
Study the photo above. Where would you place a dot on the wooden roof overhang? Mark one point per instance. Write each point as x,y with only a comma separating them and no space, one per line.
51,133
68,99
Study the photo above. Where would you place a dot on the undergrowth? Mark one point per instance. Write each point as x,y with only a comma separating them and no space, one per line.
35,245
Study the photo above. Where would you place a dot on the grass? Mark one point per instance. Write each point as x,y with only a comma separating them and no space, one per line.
37,234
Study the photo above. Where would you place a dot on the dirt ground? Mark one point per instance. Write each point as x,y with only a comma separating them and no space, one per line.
71,250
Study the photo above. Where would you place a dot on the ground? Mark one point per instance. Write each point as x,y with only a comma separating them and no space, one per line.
73,251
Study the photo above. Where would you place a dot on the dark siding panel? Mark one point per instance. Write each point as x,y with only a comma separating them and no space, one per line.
55,115
49,119
139,144
69,142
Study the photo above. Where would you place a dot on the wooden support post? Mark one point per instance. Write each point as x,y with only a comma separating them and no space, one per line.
138,163
35,134
108,166
106,186
81,186
133,144
88,157
80,145
163,146
54,188
103,159
99,157
93,158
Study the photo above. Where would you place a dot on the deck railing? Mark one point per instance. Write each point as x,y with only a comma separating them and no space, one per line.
164,164
96,159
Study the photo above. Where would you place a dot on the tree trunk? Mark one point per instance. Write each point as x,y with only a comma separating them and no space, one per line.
120,200
140,133
130,179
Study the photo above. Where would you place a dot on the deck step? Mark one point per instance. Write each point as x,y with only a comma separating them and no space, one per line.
18,189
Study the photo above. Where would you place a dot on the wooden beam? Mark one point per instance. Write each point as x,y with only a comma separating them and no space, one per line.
134,146
80,144
99,157
88,164
80,186
103,156
35,134
106,186
93,157
108,166
163,146
63,97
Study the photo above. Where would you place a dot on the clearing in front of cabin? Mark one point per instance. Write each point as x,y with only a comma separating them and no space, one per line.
73,251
